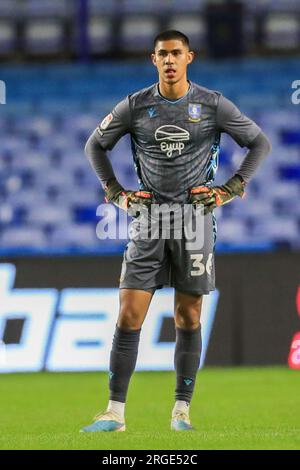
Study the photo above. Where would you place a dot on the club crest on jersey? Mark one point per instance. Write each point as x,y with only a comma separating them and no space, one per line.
170,138
194,112
106,121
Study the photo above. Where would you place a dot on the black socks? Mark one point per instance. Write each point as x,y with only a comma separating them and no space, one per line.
122,362
124,354
186,361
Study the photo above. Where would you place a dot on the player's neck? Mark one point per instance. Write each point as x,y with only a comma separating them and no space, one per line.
174,91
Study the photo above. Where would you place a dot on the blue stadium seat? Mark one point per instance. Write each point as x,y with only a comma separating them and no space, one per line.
290,172
12,186
285,190
27,197
232,230
6,214
9,8
102,7
93,195
193,6
143,6
278,228
100,34
23,237
74,236
137,32
40,214
290,136
48,8
281,31
53,177
8,36
44,36
85,214
269,5
191,25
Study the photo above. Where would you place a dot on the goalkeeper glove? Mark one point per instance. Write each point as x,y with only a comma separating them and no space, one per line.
116,194
212,197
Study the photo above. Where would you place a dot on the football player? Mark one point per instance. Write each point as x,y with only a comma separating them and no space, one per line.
175,127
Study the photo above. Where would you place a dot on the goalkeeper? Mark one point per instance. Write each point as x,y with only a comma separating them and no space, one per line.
175,127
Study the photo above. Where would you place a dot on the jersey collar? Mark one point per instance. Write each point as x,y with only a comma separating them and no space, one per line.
173,101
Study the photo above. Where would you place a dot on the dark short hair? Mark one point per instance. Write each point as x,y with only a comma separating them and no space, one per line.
172,34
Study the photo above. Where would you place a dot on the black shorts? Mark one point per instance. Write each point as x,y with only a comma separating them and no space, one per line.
171,258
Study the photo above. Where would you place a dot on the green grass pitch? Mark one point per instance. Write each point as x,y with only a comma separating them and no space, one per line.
240,408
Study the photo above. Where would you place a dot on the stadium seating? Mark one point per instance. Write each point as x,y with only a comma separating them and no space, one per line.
282,31
193,25
137,32
9,8
43,36
49,194
8,37
31,28
100,34
47,8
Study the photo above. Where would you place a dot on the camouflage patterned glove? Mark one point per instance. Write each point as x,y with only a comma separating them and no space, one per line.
116,194
212,197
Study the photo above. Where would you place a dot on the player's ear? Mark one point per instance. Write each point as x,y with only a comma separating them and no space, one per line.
153,58
191,56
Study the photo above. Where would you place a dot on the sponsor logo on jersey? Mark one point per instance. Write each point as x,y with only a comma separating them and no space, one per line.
194,112
170,138
106,121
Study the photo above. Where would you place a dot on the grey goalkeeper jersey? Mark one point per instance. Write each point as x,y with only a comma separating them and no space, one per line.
175,144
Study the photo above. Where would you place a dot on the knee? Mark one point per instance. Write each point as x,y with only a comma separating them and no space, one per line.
187,322
187,316
129,318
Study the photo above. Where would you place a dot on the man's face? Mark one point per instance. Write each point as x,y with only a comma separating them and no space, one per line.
171,59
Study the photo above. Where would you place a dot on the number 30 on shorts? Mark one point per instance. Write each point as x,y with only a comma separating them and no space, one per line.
199,266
